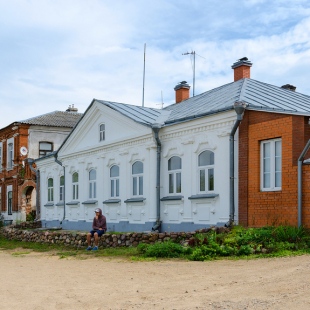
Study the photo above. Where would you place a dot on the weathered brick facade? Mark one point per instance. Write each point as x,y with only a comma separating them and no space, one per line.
259,208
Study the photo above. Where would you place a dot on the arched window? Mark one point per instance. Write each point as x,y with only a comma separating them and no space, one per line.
174,172
101,132
75,186
92,184
114,178
50,190
206,171
137,178
61,188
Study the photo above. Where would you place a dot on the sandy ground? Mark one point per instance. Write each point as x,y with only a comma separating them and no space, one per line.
44,281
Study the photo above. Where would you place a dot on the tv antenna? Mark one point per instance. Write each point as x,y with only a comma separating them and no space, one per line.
162,102
193,53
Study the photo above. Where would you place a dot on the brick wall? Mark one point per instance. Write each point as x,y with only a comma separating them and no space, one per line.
257,208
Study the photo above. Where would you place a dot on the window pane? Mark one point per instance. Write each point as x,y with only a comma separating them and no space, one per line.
206,158
278,148
178,182
75,177
95,191
266,165
140,185
50,182
137,167
112,188
171,185
174,163
114,171
266,150
102,127
62,180
117,187
77,192
90,190
211,179
202,178
266,180
92,174
134,185
278,177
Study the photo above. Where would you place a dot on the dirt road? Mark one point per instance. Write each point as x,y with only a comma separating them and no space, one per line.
44,281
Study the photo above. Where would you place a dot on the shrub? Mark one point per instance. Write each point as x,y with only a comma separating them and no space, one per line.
30,217
166,249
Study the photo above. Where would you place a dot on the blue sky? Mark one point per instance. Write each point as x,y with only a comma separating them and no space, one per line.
55,53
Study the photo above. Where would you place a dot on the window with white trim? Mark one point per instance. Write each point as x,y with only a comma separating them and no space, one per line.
75,186
61,188
10,157
50,190
137,178
271,165
92,184
206,171
114,181
101,132
0,156
174,172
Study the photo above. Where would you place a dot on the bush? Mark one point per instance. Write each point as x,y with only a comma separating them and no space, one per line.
30,217
163,249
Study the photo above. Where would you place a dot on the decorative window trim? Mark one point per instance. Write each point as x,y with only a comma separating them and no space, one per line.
203,196
111,201
205,168
72,203
174,173
272,179
138,199
90,202
137,177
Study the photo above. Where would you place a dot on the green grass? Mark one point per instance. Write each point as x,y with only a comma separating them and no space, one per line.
239,243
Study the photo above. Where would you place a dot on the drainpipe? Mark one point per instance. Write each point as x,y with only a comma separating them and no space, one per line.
30,161
300,162
156,128
239,107
60,163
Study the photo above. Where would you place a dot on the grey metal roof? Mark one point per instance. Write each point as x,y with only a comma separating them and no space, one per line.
55,119
257,96
143,115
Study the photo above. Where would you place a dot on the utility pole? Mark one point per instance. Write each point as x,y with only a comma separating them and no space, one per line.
194,55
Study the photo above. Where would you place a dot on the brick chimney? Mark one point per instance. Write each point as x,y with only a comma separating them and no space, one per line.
242,69
181,91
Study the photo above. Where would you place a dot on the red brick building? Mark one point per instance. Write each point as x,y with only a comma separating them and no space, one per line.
31,138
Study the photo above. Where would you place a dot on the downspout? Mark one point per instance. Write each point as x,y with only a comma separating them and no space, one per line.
239,107
30,161
299,182
156,128
60,163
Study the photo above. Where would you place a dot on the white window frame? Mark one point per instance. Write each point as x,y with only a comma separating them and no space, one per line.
61,188
114,183
173,176
92,190
75,187
10,154
137,178
50,190
207,169
1,156
274,168
102,132
45,151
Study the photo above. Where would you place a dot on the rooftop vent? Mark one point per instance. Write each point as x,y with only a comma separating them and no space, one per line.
289,87
72,109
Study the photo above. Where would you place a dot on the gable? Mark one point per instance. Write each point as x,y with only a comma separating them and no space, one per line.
117,128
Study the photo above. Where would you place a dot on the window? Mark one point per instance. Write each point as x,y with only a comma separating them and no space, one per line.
10,155
206,171
102,132
137,178
114,177
0,156
75,186
174,172
45,148
271,165
92,183
61,188
10,198
50,190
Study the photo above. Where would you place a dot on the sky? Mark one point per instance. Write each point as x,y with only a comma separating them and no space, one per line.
59,53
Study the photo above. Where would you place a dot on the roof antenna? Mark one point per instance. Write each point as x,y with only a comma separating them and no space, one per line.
192,53
162,102
143,76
